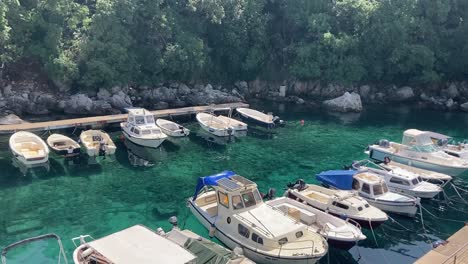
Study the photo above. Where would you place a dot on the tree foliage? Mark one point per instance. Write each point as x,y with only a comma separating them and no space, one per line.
101,43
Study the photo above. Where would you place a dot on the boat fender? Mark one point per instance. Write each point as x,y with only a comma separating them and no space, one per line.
438,243
212,231
230,130
343,216
238,251
87,253
160,231
387,160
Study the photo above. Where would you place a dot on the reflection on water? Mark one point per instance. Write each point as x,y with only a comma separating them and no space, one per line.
30,169
140,156
212,139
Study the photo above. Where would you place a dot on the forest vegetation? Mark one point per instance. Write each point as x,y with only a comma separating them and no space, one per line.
101,43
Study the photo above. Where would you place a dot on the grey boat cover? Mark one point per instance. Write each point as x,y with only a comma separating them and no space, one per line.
208,252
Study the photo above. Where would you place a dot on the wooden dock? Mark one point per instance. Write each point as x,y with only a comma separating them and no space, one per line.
96,121
455,251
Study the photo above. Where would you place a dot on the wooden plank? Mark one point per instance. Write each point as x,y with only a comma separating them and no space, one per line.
455,251
109,119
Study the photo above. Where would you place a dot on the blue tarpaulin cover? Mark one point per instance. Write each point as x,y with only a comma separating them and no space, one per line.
211,181
340,179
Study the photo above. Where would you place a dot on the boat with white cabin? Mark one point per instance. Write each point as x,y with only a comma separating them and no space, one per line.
97,143
28,148
449,146
141,129
408,183
234,123
63,145
231,208
172,129
426,175
339,233
259,118
214,125
372,188
418,150
344,204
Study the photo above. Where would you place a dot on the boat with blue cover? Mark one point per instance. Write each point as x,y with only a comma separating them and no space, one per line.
372,188
231,208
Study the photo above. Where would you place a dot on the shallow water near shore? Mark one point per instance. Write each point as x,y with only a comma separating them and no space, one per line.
107,195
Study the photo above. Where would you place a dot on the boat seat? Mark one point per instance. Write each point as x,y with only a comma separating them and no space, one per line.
318,197
211,209
330,226
299,214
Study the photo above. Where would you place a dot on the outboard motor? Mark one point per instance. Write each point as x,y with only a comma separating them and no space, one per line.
278,121
384,143
173,221
299,185
270,194
230,131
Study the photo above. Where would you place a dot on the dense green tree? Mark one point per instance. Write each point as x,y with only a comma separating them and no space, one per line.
101,43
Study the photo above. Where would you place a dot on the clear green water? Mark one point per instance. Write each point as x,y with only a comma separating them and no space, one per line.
111,195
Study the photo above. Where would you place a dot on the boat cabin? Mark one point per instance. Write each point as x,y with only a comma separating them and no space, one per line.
141,122
418,140
369,184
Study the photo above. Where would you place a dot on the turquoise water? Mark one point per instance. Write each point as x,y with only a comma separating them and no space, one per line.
112,194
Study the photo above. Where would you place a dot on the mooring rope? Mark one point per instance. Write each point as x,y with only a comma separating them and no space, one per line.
459,195
447,219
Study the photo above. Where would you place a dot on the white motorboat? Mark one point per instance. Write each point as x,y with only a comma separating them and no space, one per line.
141,129
172,129
214,125
136,244
372,188
234,123
408,183
97,143
426,175
418,150
345,204
231,208
259,118
338,232
63,145
28,148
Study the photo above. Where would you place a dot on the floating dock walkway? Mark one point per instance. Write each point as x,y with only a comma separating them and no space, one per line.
110,119
455,251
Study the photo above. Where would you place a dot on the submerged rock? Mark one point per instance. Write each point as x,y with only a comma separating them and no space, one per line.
348,102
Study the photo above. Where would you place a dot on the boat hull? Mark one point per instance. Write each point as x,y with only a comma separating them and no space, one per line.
424,195
254,121
252,254
380,155
151,143
64,152
217,132
406,209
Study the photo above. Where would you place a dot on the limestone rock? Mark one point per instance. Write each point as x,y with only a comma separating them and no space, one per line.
464,107
242,87
348,102
103,94
183,89
404,93
451,91
11,119
121,101
364,92
78,104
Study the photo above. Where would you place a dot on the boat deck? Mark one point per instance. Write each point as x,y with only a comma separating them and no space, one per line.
455,251
109,119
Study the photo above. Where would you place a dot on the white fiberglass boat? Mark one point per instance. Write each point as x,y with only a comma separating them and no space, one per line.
231,208
97,142
259,118
141,129
338,232
345,204
214,125
234,123
408,183
63,145
136,244
372,188
418,150
449,146
426,175
28,148
172,128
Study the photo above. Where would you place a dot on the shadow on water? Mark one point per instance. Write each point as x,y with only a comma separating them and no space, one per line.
213,142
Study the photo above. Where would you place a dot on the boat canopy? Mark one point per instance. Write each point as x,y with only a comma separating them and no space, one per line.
340,179
140,116
414,137
211,180
139,244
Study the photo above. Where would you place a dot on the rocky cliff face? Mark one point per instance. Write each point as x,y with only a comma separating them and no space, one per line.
36,98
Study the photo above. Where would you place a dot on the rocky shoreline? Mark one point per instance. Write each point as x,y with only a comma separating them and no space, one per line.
32,98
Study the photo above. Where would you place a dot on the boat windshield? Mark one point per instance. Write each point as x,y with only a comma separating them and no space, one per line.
149,119
415,181
249,199
139,120
380,189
